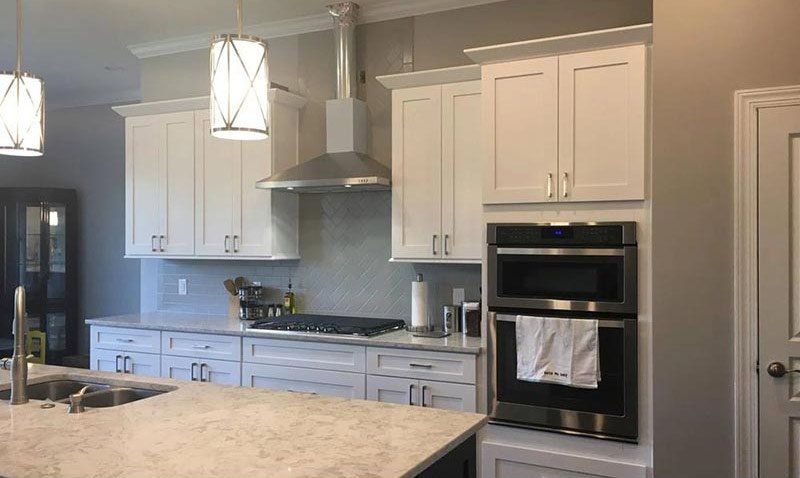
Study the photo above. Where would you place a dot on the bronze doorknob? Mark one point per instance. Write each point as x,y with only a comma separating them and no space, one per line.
778,370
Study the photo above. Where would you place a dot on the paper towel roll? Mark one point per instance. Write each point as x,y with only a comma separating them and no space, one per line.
419,304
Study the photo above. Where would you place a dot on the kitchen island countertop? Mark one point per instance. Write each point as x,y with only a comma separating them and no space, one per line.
220,324
202,429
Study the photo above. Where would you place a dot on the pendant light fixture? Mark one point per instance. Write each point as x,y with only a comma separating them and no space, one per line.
239,83
21,107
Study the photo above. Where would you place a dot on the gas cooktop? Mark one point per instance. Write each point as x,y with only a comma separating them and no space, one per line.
329,324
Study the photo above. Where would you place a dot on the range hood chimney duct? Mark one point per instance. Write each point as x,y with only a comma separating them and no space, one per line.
345,166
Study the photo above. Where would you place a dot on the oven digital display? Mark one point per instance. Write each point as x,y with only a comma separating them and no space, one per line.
555,232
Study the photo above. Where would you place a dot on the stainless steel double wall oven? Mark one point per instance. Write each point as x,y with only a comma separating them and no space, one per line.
578,271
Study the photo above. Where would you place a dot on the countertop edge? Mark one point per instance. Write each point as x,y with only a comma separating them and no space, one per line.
424,465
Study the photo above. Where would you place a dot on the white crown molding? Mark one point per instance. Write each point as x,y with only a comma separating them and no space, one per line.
430,77
199,103
388,10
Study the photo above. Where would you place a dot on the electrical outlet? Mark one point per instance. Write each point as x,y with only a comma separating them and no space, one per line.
458,296
181,286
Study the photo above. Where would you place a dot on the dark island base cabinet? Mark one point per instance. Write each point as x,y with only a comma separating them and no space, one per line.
459,463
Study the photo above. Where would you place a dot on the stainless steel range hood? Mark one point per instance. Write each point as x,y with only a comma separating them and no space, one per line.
345,166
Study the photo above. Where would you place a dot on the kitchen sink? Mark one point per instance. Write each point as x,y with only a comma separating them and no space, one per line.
99,395
54,390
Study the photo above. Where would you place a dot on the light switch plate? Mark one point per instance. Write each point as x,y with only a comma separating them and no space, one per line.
181,286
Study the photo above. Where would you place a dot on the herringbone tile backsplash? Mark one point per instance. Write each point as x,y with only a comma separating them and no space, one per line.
345,245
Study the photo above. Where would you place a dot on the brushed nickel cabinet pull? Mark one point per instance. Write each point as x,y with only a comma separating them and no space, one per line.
125,368
227,248
192,372
549,185
420,365
433,244
153,247
424,387
564,184
411,394
117,368
446,237
161,243
208,376
235,241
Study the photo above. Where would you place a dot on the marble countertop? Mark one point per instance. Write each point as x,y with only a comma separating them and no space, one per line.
203,429
220,324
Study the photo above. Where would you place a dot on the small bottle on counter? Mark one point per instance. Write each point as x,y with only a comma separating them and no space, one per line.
289,301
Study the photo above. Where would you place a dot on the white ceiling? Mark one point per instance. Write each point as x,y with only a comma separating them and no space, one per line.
80,47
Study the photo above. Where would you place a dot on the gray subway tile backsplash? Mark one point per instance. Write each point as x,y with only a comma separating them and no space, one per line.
345,244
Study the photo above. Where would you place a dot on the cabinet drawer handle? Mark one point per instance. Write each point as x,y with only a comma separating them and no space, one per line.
549,185
125,368
411,394
424,387
235,243
127,341
153,247
117,368
446,237
299,391
564,183
203,347
433,244
161,243
192,372
227,248
420,365
208,376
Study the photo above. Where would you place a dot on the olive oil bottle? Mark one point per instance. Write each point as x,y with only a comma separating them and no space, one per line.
289,303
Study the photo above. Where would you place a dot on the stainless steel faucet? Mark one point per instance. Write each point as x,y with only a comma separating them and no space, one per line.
76,400
19,361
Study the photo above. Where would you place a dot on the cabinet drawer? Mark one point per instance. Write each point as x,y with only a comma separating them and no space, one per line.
318,355
421,364
219,347
192,369
130,340
292,379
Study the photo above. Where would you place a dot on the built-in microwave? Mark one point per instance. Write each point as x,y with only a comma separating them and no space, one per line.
581,271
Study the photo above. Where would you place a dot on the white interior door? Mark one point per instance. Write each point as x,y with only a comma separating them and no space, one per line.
417,172
142,139
176,189
779,290
602,125
217,162
462,165
520,122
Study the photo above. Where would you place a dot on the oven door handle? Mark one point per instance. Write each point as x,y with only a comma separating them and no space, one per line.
550,251
606,324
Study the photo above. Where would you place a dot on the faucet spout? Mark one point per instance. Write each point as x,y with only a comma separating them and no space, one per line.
19,361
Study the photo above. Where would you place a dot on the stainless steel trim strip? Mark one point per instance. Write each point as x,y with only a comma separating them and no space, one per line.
552,251
608,324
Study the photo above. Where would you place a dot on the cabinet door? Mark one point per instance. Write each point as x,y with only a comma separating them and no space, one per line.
148,365
252,216
449,396
462,207
221,372
416,172
216,165
520,121
403,391
142,138
602,125
294,379
176,185
104,360
179,368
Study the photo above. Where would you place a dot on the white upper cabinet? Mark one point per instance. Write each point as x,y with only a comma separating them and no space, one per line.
520,110
436,161
190,195
159,200
602,124
416,172
565,126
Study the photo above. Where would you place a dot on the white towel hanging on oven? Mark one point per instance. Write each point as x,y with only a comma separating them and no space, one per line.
560,351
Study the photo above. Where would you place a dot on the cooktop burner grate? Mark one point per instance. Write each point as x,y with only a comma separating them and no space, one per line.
329,324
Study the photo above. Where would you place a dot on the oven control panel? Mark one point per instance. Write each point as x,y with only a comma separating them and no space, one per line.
583,234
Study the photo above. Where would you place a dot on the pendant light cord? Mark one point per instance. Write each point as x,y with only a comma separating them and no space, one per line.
19,35
238,15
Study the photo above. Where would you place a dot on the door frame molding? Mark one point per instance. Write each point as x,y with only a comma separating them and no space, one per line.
747,104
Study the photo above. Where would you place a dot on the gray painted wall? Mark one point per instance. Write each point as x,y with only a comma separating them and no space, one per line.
704,51
85,150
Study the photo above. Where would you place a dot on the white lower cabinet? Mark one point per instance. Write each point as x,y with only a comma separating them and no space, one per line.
306,380
121,361
425,393
201,370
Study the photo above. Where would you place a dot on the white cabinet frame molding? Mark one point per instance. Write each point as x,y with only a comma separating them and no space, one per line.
747,104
